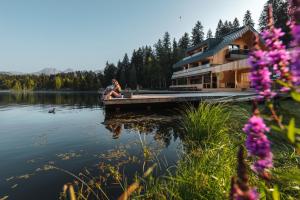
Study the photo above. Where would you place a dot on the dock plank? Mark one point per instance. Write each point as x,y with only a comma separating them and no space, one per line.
182,97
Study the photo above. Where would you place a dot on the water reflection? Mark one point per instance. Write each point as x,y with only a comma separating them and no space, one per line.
163,126
88,100
80,136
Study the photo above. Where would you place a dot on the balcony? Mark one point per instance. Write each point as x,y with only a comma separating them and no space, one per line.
237,54
191,71
232,66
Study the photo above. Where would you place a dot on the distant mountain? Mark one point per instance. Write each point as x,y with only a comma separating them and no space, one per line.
69,70
47,71
11,73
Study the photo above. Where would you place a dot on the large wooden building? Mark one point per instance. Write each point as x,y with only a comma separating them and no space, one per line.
217,62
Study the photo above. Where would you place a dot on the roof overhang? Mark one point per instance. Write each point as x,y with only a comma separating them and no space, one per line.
224,42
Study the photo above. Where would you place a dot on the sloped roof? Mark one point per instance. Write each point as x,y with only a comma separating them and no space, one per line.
210,42
215,46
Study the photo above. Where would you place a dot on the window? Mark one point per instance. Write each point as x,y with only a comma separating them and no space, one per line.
196,80
205,62
182,81
233,47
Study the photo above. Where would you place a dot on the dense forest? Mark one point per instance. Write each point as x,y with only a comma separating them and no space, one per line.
149,66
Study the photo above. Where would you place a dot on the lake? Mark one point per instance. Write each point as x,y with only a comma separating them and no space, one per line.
81,139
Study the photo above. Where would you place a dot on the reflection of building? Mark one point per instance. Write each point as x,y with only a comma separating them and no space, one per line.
216,62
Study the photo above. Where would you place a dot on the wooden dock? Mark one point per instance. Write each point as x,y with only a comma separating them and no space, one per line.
168,100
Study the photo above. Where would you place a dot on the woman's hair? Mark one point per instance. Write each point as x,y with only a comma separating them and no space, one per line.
115,82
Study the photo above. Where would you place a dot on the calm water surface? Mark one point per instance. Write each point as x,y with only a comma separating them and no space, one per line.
80,138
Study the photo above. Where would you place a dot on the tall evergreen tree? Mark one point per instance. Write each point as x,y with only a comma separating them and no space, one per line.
183,44
209,34
197,34
236,23
137,62
121,75
219,29
226,28
248,21
165,60
280,15
125,70
184,41
230,25
175,52
132,77
110,72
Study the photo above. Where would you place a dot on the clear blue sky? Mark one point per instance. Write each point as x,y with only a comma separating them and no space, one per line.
84,34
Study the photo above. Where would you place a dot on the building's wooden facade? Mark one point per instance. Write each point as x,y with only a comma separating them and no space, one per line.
217,62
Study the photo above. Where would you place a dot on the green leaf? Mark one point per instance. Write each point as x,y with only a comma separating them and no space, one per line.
291,130
275,193
282,83
295,95
276,128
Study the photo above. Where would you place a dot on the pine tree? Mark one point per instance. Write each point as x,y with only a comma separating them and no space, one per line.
167,42
138,61
230,25
121,74
219,28
226,28
248,21
184,41
125,70
175,52
110,72
132,77
197,34
280,15
183,44
165,60
209,34
236,23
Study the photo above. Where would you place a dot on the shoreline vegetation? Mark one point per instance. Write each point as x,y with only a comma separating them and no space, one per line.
212,134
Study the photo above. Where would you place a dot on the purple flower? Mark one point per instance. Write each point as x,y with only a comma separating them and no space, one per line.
295,67
278,57
250,195
295,30
261,164
258,145
260,74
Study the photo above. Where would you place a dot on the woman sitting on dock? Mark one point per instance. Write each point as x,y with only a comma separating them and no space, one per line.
113,91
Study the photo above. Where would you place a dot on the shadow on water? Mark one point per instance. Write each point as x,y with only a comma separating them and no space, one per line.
99,147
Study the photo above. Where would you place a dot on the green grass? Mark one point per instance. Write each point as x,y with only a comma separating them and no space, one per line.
209,161
213,135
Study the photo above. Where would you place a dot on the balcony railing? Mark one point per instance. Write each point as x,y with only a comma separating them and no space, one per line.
190,71
234,54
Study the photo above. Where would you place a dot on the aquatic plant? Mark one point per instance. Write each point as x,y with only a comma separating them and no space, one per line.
208,161
205,121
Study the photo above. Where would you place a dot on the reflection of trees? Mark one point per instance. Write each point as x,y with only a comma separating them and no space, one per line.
162,127
78,99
